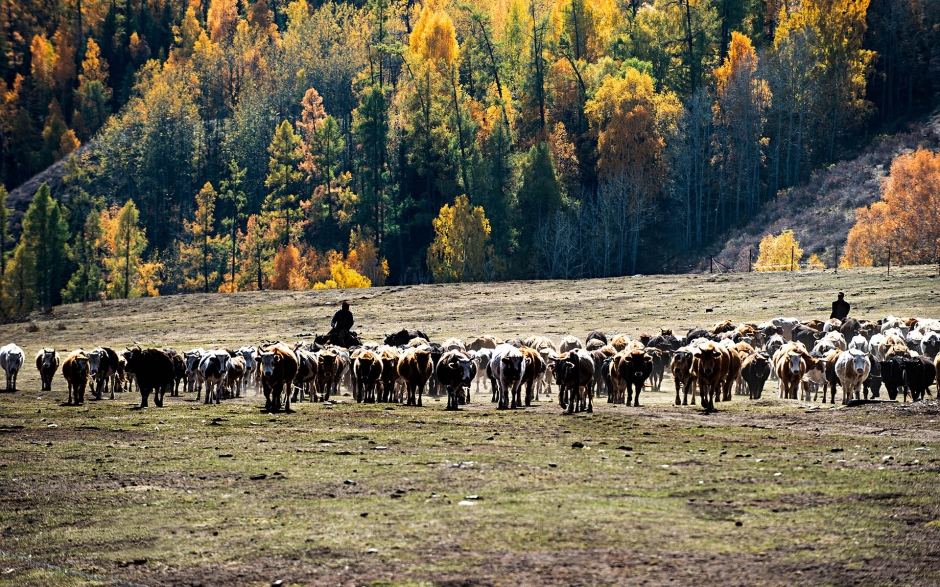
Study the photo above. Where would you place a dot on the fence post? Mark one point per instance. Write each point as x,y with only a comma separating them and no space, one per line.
791,258
749,251
889,262
837,259
711,264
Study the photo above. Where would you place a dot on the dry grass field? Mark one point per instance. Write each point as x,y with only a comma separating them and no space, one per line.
759,493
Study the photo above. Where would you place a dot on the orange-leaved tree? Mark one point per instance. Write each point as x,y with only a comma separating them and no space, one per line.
779,253
905,223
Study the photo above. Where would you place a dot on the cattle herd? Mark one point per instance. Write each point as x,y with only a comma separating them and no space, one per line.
805,357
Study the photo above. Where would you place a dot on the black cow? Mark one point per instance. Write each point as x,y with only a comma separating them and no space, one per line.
664,342
873,383
696,333
403,337
755,371
153,370
920,373
456,371
179,373
596,335
850,328
806,335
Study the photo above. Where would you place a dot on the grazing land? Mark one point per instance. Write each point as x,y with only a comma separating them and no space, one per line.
770,492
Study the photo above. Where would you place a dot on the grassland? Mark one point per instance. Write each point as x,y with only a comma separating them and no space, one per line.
759,493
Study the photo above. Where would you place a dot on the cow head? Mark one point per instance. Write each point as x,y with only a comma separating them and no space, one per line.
192,362
640,364
94,363
860,362
794,362
48,360
269,362
80,365
709,359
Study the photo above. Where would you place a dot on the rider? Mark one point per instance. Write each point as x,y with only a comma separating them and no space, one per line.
342,320
840,307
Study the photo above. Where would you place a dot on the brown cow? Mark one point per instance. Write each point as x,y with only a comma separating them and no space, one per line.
681,367
534,368
278,365
710,363
47,362
390,357
366,375
790,364
306,378
483,342
415,369
620,342
75,371
734,372
327,368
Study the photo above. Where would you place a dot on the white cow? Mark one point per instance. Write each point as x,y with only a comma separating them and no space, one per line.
214,371
787,325
508,369
852,369
12,359
859,342
481,359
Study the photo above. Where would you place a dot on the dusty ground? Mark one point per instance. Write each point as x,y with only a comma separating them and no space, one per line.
760,493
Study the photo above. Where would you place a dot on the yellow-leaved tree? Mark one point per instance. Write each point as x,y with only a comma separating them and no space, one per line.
126,242
905,224
461,244
779,253
343,275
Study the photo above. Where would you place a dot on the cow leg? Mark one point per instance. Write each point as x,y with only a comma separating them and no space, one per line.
636,396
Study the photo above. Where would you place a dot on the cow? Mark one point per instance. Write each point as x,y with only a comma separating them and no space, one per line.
328,368
681,367
569,343
47,363
851,328
930,344
786,326
920,373
366,375
860,343
213,369
305,379
696,333
596,335
191,359
710,362
852,368
620,342
249,353
872,383
574,371
660,361
790,363
734,372
415,368
534,368
403,337
456,371
453,343
483,342
278,365
600,356
629,370
507,372
153,371
815,377
236,375
805,336
390,357
755,370
179,372
12,359
75,372
481,359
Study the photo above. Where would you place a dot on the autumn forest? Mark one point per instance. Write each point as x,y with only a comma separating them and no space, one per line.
228,145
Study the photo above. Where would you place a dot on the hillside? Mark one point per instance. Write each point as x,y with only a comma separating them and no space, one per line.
517,308
822,211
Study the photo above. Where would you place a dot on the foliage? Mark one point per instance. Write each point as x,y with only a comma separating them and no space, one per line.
461,244
202,253
779,253
343,276
905,224
126,242
45,237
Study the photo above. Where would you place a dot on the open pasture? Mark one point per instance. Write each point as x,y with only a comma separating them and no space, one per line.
758,493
